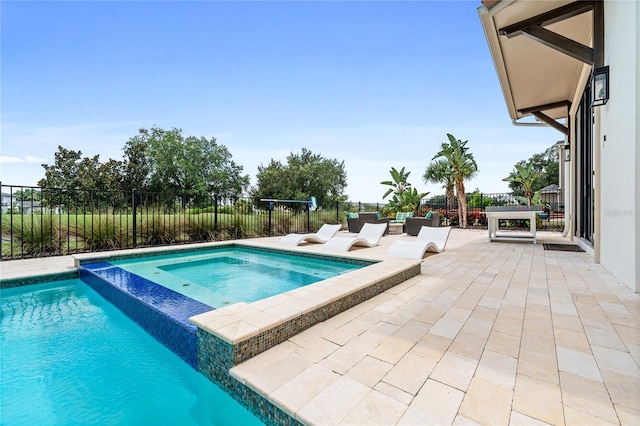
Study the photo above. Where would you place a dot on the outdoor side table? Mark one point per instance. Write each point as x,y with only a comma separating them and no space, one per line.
494,214
395,228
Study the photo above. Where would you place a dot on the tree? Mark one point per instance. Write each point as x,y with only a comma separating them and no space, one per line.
154,160
74,180
478,200
441,172
463,165
164,161
27,194
405,197
545,164
398,184
526,177
71,171
408,200
305,175
64,171
136,165
101,177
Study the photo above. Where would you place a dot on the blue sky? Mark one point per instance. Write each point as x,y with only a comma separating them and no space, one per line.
374,84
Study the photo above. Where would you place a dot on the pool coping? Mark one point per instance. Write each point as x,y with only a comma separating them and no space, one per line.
251,328
15,282
83,258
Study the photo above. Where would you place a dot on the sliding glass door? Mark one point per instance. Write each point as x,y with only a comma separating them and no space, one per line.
584,169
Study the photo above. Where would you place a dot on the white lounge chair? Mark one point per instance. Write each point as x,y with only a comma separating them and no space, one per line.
324,234
369,236
432,238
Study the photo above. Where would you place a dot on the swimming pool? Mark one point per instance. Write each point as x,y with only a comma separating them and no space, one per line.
70,357
211,340
229,274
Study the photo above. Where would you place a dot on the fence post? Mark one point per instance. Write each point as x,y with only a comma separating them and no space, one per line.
337,210
215,215
270,208
134,212
308,218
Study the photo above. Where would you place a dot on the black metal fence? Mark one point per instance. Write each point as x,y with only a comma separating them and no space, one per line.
49,222
552,203
39,222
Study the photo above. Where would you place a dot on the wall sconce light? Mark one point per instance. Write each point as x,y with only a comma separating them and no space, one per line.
600,85
567,152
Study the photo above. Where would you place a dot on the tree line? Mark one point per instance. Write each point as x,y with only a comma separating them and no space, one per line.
155,160
164,161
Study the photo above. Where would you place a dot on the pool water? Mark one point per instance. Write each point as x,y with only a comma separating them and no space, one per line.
224,276
70,357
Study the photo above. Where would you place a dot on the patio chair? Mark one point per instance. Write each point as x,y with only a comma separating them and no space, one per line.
369,236
429,238
401,217
415,224
357,220
324,234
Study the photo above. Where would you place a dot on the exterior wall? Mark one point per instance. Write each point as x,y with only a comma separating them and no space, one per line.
618,146
7,200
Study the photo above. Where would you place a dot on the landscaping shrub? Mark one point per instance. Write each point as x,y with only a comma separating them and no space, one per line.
225,210
37,236
201,228
104,232
159,229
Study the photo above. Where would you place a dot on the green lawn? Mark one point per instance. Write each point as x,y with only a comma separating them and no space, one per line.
48,235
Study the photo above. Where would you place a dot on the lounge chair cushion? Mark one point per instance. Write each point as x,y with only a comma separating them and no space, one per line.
401,217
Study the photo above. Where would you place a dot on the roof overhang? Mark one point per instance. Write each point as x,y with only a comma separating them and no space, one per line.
540,50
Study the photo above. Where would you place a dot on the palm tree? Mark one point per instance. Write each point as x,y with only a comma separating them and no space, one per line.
409,200
399,183
457,154
526,176
441,172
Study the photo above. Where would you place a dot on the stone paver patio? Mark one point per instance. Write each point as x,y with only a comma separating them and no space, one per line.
489,333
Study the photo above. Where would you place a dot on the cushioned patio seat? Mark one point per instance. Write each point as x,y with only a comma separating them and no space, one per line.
401,217
357,220
414,224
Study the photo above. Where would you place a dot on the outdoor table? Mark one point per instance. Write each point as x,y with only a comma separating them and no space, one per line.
494,214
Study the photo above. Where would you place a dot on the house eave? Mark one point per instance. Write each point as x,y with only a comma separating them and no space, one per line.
533,75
